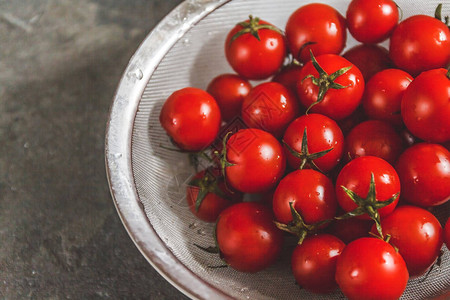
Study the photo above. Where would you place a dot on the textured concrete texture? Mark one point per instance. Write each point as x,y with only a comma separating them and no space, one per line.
60,236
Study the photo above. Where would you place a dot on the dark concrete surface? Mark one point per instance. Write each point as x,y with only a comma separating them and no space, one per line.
60,236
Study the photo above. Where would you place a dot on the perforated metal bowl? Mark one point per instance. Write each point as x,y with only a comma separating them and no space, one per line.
147,181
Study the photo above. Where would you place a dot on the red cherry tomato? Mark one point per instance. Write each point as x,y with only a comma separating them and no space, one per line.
425,106
247,238
229,90
374,138
356,176
346,124
420,43
317,27
348,230
447,233
337,103
383,95
311,193
417,234
255,58
370,268
322,134
369,58
424,171
271,107
191,117
288,76
314,262
207,195
371,21
255,161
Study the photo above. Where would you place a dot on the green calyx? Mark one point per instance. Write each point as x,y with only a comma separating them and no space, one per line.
438,15
368,205
253,26
206,184
325,81
307,159
298,227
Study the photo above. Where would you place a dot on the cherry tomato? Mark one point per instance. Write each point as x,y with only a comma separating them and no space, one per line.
207,195
370,268
322,134
356,177
317,27
229,90
271,107
369,58
346,124
312,196
447,233
420,43
424,171
288,76
348,230
417,234
336,103
374,138
425,106
383,95
314,262
371,21
191,117
247,238
255,161
255,57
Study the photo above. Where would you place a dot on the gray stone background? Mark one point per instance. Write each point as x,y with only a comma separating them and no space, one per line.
60,236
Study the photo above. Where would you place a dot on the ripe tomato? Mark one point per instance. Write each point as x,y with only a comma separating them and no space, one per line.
288,76
356,177
383,95
417,234
425,106
337,103
322,134
271,107
371,21
369,58
317,27
370,268
207,195
447,233
229,90
255,56
424,171
420,43
346,124
311,193
374,138
348,230
191,117
314,262
247,238
255,161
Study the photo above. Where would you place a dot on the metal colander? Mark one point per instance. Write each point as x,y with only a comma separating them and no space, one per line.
148,182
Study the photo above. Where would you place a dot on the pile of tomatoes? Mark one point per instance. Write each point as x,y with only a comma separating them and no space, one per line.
347,152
